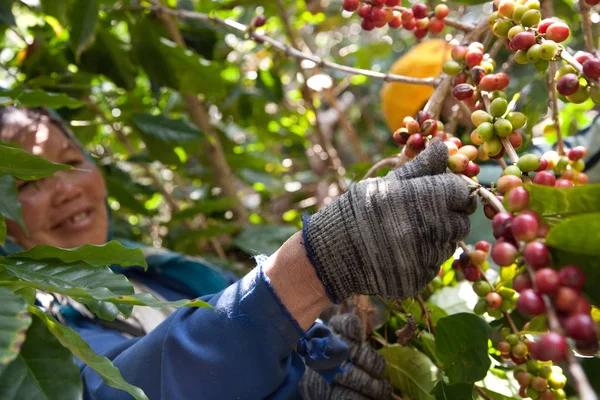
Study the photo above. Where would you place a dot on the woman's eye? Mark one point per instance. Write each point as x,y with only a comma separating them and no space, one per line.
24,185
75,163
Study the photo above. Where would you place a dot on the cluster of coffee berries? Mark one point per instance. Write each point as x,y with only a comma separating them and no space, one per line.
512,347
541,381
493,302
418,18
473,71
498,123
472,264
575,88
414,133
568,167
592,2
462,158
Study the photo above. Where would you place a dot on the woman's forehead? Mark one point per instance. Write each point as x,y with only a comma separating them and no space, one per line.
41,139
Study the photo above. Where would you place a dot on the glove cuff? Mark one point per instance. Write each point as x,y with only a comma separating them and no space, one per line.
312,257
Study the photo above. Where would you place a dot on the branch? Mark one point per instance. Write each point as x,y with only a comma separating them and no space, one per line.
586,21
197,111
430,326
290,51
554,108
582,384
167,195
393,162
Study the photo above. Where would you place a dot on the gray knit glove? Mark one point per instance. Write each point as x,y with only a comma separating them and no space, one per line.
389,235
363,380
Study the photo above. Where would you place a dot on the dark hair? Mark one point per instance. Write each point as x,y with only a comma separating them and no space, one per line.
16,120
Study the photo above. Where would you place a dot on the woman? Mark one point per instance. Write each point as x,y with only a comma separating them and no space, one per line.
385,236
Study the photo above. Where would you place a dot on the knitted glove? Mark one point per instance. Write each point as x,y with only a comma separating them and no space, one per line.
389,235
362,381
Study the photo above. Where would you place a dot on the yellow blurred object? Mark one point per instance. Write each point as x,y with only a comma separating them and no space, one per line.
399,100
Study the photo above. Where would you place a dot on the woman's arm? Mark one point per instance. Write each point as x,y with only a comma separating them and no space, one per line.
243,348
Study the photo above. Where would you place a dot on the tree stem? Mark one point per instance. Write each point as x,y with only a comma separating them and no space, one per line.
560,144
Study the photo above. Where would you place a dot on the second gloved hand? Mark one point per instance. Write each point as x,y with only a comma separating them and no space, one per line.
389,235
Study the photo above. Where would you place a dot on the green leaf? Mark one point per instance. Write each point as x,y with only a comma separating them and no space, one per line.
108,56
107,294
102,365
39,98
26,166
6,14
410,371
14,321
107,254
168,64
56,9
84,19
462,347
263,239
551,202
10,206
462,391
43,370
168,130
578,234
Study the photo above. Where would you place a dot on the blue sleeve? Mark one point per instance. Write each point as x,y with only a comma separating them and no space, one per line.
241,349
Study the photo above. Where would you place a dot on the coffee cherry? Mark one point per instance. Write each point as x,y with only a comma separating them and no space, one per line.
563,183
522,282
566,299
568,84
544,178
521,57
502,27
420,10
392,3
547,281
558,32
508,182
520,350
423,23
502,126
536,255
473,57
544,24
452,67
572,276
458,163
517,199
512,170
591,68
517,119
364,11
581,327
504,347
441,11
482,288
539,384
423,116
524,227
551,347
494,300
529,162
463,91
533,54
478,117
504,253
350,5
523,40
575,154
498,107
530,303
478,257
531,18
428,127
416,142
472,273
557,381
548,50
515,139
477,73
469,151
367,25
483,246
396,22
458,53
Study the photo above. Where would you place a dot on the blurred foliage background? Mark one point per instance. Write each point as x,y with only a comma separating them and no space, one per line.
231,171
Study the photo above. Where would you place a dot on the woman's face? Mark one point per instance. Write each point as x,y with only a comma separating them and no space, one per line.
67,209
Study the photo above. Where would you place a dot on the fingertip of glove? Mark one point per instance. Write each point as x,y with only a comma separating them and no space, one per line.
435,156
348,326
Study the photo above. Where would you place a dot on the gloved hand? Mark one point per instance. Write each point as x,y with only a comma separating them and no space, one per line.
362,381
389,235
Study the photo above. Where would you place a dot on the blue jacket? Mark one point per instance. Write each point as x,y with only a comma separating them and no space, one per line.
247,347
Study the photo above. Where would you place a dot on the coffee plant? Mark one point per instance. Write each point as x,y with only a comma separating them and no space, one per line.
218,123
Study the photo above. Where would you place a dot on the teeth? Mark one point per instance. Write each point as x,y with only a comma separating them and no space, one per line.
78,217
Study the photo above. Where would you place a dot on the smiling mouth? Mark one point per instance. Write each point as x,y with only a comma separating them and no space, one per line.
75,220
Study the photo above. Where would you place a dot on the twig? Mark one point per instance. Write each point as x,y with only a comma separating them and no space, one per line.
482,393
485,194
168,196
333,158
586,21
199,115
461,26
554,108
582,384
430,326
290,51
393,162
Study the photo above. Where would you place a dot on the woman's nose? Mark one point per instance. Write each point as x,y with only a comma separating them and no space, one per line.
65,189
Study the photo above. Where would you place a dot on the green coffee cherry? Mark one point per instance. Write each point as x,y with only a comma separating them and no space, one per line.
486,131
517,119
548,50
531,18
533,54
581,95
502,127
501,27
478,117
518,13
528,162
482,288
521,57
452,68
542,66
512,170
498,107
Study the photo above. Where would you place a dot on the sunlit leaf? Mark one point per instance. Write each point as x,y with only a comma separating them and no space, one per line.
26,166
14,321
84,19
